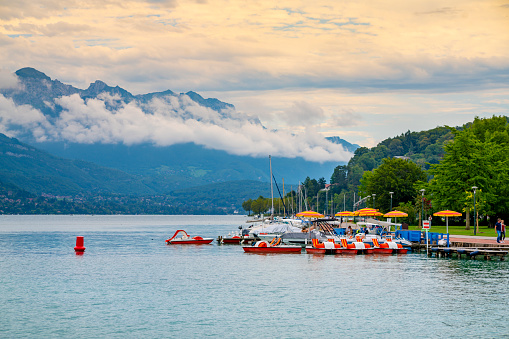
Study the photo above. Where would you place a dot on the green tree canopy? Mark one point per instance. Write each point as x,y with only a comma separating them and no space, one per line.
393,175
246,205
476,157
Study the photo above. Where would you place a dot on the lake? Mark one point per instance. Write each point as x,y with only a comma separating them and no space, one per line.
129,283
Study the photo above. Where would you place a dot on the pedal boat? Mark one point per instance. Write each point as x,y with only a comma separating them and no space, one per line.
356,247
273,247
328,247
182,238
388,247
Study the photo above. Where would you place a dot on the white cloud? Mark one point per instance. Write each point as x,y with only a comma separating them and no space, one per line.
8,79
172,120
303,113
381,59
30,119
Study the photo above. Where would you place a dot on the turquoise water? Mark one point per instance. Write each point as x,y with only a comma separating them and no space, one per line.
129,283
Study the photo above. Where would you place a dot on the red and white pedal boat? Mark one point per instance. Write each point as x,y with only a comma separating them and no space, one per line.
388,247
356,247
273,247
328,247
182,238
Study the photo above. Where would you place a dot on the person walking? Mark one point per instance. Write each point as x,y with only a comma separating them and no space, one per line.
502,233
498,228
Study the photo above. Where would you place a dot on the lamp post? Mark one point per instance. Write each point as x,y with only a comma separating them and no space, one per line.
422,199
326,202
344,202
475,215
374,195
391,193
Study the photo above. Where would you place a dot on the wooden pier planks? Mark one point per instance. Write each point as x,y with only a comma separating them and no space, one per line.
469,252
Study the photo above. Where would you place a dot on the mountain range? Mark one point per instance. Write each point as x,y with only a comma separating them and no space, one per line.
39,163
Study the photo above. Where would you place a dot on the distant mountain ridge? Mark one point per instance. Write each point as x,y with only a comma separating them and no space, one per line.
346,145
39,90
161,168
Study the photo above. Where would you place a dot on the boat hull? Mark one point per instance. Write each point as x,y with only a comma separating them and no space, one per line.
312,250
347,251
230,241
189,242
383,250
275,249
233,240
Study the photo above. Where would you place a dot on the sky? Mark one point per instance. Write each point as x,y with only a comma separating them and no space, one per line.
361,70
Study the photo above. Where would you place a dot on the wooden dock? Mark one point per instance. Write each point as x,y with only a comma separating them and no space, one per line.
487,253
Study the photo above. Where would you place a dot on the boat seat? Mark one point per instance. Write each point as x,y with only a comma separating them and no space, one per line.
316,243
344,242
329,245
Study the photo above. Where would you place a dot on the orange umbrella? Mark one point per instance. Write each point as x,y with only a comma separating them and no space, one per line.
368,212
395,214
309,214
344,214
371,214
447,214
364,211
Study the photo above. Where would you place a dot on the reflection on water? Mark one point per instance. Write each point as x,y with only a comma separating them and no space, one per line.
130,283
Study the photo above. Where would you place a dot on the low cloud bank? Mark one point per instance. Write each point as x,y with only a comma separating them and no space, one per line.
163,121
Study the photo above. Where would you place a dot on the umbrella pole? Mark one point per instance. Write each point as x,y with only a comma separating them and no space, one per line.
447,225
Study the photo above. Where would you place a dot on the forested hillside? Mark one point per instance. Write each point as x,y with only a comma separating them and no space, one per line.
462,169
423,148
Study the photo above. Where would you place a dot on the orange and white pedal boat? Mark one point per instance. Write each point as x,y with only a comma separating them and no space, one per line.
327,247
274,246
388,247
355,247
182,238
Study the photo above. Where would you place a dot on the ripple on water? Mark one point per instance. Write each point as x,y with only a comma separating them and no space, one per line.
130,284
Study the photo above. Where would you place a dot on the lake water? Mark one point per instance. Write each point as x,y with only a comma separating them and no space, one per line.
129,283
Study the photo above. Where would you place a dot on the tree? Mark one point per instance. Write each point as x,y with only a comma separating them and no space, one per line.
259,205
393,175
410,209
476,157
339,178
246,205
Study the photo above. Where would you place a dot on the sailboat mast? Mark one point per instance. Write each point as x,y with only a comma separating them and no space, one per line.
284,205
271,190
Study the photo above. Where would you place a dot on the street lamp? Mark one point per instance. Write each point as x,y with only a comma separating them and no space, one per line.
374,195
391,193
475,215
326,202
422,214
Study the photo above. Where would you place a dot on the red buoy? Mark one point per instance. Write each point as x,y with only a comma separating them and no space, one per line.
79,245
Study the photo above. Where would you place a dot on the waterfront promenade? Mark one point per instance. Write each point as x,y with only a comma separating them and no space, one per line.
475,240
